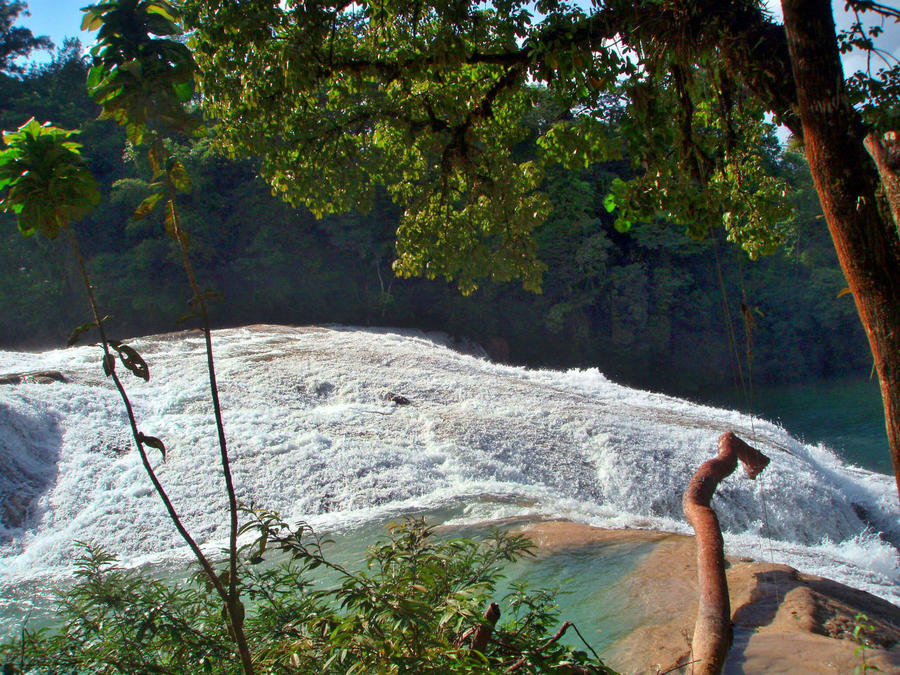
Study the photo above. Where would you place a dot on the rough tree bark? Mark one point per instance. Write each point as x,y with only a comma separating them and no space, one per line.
847,182
712,631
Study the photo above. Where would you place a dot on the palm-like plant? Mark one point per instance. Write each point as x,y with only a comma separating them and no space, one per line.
140,76
45,182
142,79
48,186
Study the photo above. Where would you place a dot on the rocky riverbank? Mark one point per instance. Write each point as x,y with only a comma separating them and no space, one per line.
784,621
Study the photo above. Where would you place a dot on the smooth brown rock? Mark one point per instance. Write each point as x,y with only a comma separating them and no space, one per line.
784,621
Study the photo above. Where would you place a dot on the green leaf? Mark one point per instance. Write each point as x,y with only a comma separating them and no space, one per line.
48,184
623,224
161,9
133,361
91,20
95,77
263,542
609,202
78,332
159,25
179,176
184,91
134,68
153,442
146,207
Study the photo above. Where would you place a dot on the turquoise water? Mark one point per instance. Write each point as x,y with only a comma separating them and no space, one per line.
598,609
587,577
845,414
590,595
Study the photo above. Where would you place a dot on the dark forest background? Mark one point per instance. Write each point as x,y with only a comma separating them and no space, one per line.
651,307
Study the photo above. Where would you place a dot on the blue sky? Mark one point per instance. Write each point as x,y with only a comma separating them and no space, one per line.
57,18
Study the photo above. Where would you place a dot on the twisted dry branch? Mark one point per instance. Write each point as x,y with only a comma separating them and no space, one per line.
712,631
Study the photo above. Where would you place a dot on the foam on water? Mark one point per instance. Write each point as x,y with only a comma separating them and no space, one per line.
313,436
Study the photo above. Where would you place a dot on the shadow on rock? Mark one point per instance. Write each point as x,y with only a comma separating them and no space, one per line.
782,601
29,452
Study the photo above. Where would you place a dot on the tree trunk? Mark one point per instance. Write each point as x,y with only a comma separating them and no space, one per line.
847,182
712,631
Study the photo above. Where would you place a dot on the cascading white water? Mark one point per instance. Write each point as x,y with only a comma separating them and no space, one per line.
312,435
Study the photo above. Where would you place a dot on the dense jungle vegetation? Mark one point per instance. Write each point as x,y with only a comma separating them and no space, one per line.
651,307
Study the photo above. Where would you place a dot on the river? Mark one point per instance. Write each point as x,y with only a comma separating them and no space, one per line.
314,433
844,414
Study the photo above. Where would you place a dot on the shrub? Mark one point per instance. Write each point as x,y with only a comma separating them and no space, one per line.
415,607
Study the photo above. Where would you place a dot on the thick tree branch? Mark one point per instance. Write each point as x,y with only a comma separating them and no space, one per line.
877,7
484,630
885,158
589,33
847,182
712,632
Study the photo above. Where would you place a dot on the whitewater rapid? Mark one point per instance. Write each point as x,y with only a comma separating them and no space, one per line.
313,434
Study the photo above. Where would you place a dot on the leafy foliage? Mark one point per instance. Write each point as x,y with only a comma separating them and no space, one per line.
438,137
708,167
861,629
116,620
875,91
626,303
430,101
412,609
46,181
139,76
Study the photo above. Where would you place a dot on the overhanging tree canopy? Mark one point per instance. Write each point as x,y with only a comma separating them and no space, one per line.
430,101
427,99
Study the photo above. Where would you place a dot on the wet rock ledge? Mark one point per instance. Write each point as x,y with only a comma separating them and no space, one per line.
34,377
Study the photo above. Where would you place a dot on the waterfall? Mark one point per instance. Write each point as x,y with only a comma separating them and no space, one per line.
314,433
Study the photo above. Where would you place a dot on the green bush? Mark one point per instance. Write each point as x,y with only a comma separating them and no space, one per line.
415,607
